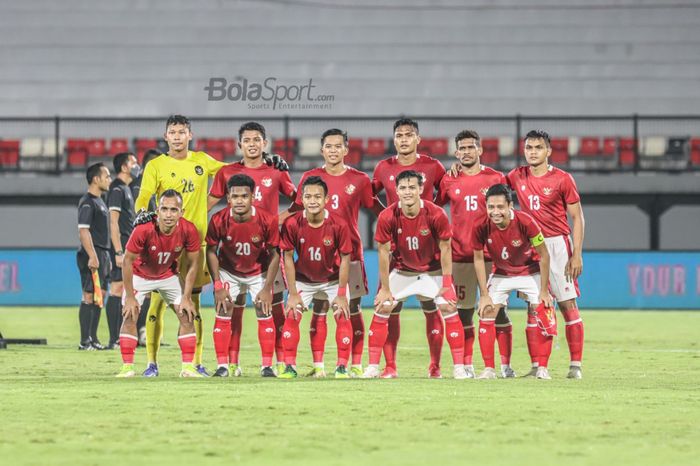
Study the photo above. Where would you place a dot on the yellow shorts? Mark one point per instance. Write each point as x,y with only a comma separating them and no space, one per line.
203,277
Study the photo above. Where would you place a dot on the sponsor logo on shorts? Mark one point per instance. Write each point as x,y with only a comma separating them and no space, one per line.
516,243
199,170
349,189
267,182
424,232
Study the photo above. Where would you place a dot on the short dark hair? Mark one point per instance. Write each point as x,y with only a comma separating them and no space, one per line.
178,120
149,155
406,122
240,180
334,132
315,181
171,193
406,174
94,170
120,160
251,126
468,134
500,190
539,134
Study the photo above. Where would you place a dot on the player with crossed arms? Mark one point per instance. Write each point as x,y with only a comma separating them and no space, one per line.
415,259
322,243
150,265
513,240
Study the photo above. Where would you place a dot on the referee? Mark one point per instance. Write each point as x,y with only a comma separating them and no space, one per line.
93,228
120,201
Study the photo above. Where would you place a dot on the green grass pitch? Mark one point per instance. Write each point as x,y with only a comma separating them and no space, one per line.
639,402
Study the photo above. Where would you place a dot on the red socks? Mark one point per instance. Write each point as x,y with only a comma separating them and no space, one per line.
455,337
531,336
434,330
358,337
378,335
504,337
487,338
266,338
187,345
236,330
469,345
127,345
343,339
574,334
222,339
290,338
278,318
391,340
317,335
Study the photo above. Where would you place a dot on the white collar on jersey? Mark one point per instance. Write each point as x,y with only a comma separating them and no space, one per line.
422,204
417,156
325,213
252,208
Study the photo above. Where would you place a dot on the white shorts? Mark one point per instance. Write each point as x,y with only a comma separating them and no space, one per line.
500,287
278,285
357,281
559,248
425,286
169,289
240,285
466,285
320,291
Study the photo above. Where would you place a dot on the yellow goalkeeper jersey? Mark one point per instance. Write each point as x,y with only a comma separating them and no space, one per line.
188,176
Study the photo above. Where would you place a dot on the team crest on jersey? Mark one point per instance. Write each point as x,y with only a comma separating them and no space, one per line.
267,182
516,242
457,191
349,189
228,238
302,241
327,241
522,187
489,241
424,232
172,174
178,248
153,248
199,170
547,191
255,239
391,178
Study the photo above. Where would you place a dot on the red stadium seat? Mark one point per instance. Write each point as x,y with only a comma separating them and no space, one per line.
118,145
490,155
285,148
77,153
589,146
425,147
609,146
355,150
9,153
217,154
200,145
695,152
228,145
141,145
376,147
560,151
628,147
440,147
97,147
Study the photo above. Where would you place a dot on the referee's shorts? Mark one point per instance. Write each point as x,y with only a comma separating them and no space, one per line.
103,269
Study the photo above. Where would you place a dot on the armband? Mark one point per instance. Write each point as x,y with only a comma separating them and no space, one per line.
537,240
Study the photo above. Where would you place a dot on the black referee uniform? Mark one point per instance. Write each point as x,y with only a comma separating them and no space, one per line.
93,215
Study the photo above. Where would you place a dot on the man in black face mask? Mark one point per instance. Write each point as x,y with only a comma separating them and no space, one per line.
120,201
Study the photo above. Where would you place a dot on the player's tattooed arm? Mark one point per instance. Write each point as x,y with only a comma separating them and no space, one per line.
131,307
574,266
545,298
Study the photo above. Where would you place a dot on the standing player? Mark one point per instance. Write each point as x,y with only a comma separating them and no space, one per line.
549,194
348,190
406,139
242,241
270,182
413,237
509,237
93,255
322,243
121,215
466,193
150,265
188,173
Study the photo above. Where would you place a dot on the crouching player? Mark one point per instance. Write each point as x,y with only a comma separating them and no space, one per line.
150,264
323,247
413,238
241,242
509,237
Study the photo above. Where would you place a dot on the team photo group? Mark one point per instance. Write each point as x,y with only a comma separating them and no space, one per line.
152,245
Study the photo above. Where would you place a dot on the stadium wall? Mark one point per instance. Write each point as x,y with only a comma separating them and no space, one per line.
611,280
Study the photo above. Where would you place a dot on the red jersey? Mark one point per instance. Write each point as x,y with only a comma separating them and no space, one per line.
158,252
414,241
510,249
467,197
347,192
545,197
318,249
269,182
387,170
243,246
